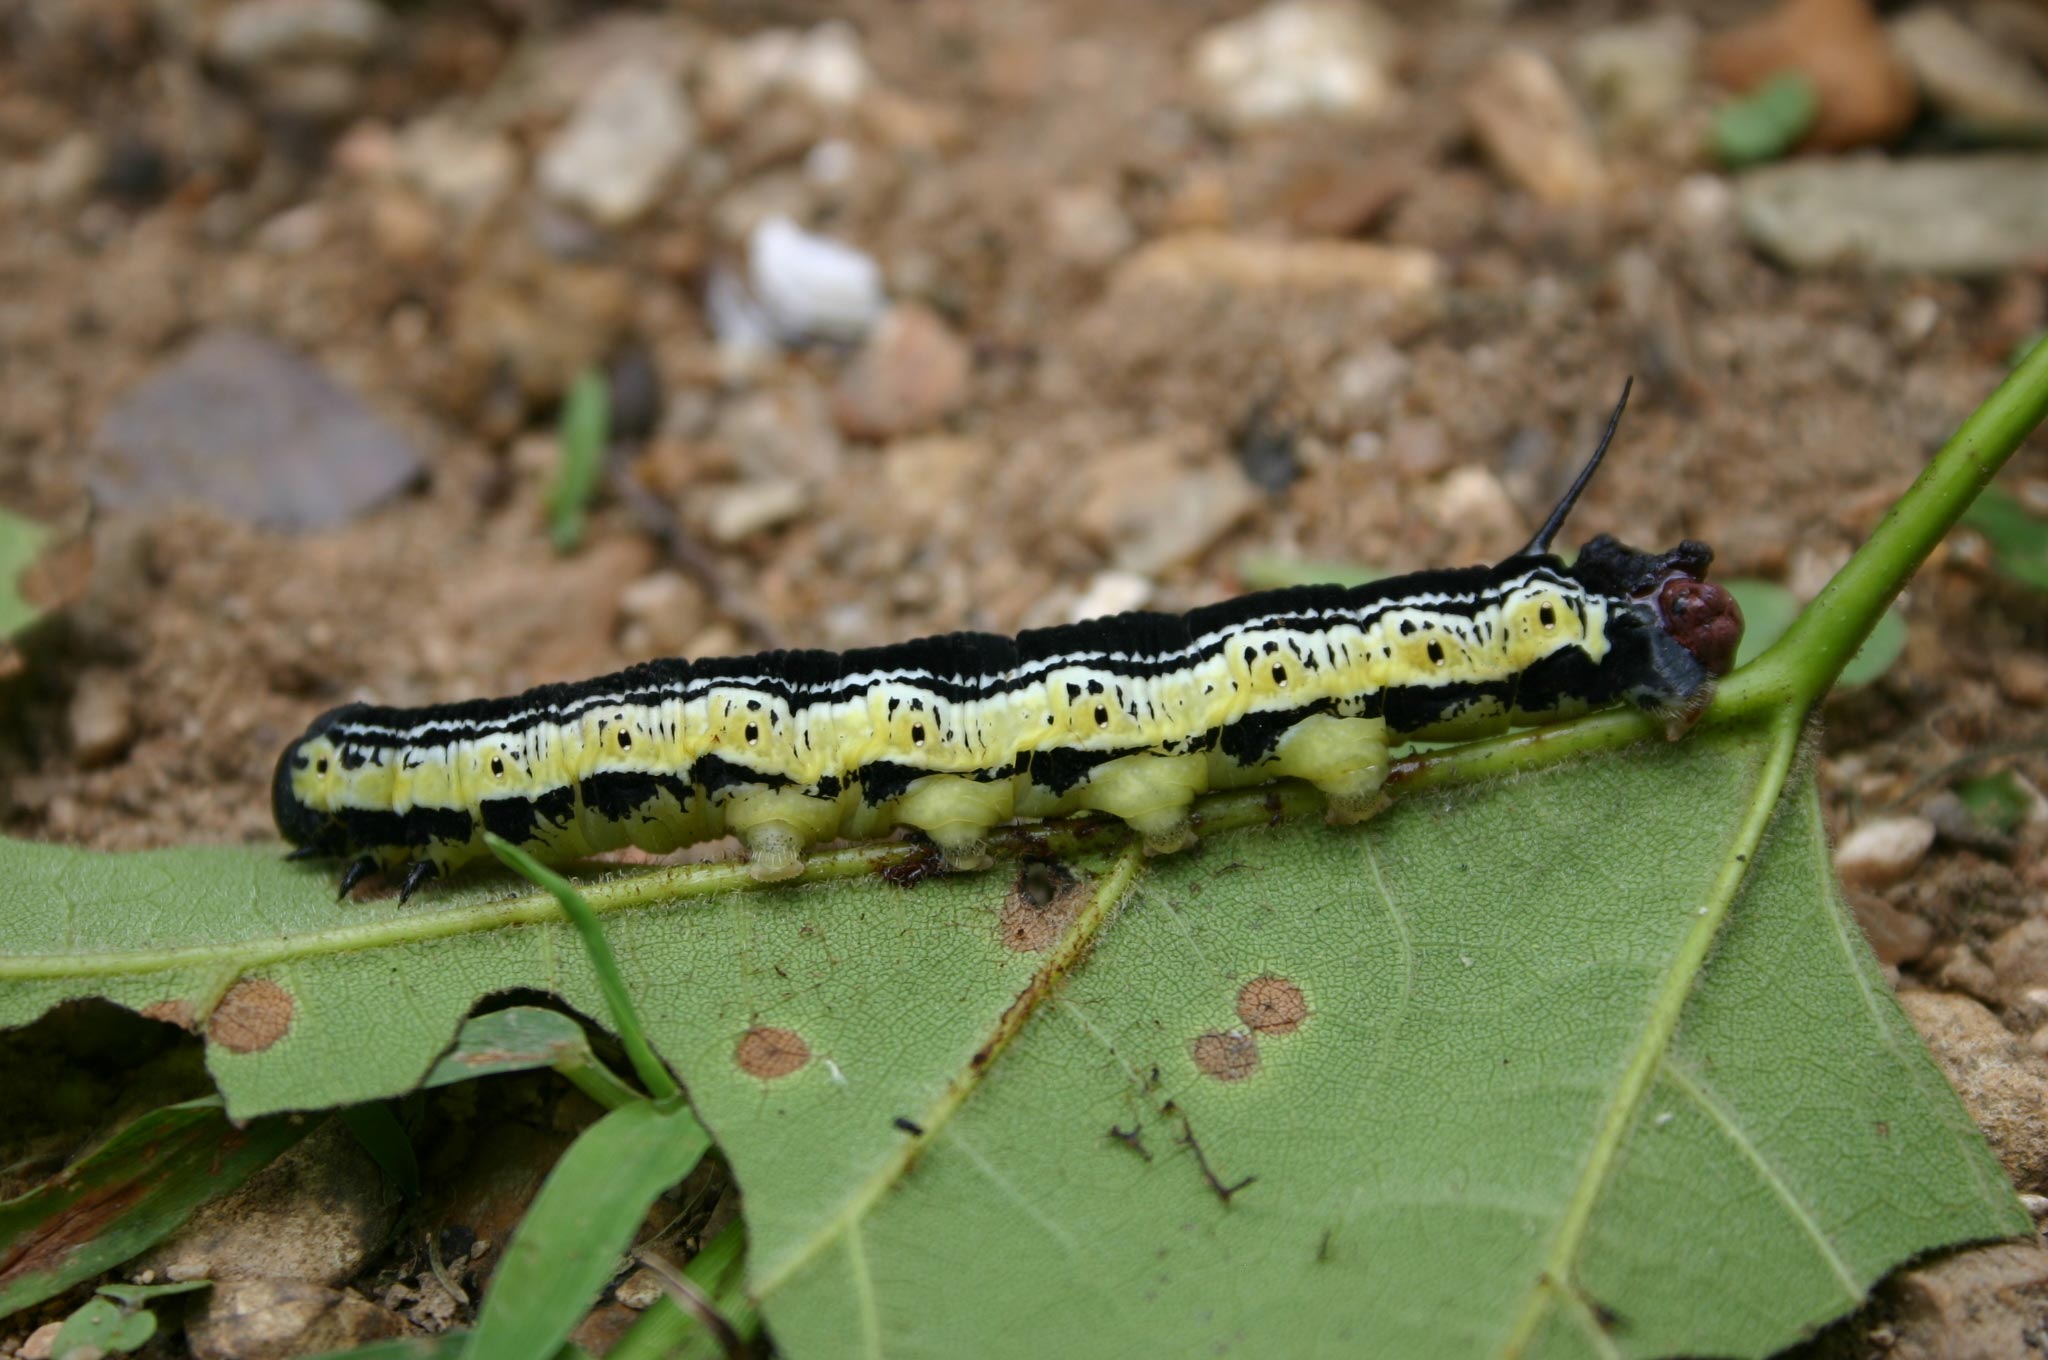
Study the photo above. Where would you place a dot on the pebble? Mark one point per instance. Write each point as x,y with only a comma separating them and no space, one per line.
784,432
2019,961
1297,58
465,172
273,1319
315,1215
1638,76
812,287
660,613
42,1342
65,175
629,133
1152,512
1882,852
1086,226
253,431
1531,128
1203,261
911,373
640,1290
1472,497
2004,1087
1111,592
1365,386
1419,446
251,34
1967,215
1866,94
823,65
733,513
1896,937
101,718
1968,78
1976,1304
2023,678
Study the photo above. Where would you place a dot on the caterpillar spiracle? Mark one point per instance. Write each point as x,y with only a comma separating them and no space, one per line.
1133,716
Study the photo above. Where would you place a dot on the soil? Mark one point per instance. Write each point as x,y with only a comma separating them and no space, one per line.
1776,414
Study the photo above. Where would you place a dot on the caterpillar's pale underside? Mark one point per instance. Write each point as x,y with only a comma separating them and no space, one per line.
1132,716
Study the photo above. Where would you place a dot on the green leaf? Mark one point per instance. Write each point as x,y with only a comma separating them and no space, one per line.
1767,122
102,1326
1768,610
1997,802
581,1224
128,1194
376,1127
585,428
21,541
2018,538
521,1038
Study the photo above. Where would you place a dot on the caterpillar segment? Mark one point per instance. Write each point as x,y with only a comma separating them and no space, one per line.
1133,717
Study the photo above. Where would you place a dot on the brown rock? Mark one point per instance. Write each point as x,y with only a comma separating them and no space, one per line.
2019,960
1866,93
314,1215
1975,1305
1882,852
1532,129
2004,1087
1895,936
275,1319
1204,260
101,719
909,375
2023,678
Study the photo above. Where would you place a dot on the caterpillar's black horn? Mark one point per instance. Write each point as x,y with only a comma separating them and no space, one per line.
1540,544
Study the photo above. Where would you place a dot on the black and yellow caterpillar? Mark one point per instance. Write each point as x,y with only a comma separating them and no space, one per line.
1133,716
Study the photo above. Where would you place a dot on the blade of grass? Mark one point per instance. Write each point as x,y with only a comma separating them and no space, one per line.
581,1224
128,1194
376,1127
625,1019
585,429
667,1325
521,1038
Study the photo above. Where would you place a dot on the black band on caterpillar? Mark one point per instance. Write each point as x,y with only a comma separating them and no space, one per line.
1133,716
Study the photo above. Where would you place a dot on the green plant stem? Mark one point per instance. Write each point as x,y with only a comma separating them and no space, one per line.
1805,661
625,1019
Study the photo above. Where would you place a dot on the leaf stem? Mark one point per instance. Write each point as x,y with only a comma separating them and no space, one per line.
654,1074
1803,663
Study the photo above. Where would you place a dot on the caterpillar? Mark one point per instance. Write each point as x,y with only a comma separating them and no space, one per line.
1132,716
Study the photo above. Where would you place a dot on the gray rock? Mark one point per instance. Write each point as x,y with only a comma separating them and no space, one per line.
276,1319
1639,75
252,430
1944,215
258,33
1297,58
1967,77
628,135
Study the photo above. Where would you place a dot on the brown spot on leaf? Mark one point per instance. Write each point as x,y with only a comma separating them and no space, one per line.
254,1014
1042,904
768,1052
174,1011
1271,1005
1227,1057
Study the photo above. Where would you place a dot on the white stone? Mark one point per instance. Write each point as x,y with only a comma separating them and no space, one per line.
628,135
1967,76
1085,225
811,286
467,173
1295,58
824,65
255,33
1884,851
1111,592
732,513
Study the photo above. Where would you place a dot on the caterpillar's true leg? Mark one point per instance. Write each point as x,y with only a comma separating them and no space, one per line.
357,871
416,877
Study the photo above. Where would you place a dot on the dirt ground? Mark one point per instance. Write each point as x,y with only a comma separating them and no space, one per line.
1136,412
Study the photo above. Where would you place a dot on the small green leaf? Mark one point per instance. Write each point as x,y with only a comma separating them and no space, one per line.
21,540
1767,122
1768,610
128,1194
2018,538
521,1038
585,429
581,1224
1998,802
101,1326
